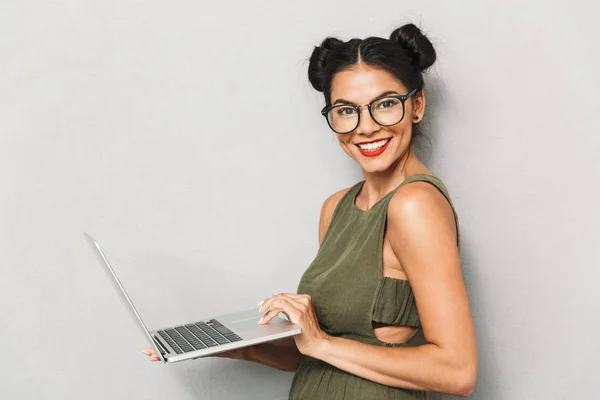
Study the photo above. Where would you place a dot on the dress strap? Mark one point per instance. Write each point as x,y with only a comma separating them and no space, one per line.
343,208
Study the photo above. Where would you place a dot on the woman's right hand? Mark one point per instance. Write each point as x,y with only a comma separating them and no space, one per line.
149,351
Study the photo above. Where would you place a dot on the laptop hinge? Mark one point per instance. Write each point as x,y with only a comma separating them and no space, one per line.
161,346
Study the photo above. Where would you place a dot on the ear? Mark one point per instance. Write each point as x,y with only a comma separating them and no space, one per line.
418,107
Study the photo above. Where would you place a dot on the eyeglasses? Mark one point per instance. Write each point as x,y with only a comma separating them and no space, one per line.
386,111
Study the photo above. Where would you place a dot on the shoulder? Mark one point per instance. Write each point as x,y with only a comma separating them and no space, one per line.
327,210
332,201
417,208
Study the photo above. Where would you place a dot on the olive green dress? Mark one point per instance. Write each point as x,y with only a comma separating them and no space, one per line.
350,293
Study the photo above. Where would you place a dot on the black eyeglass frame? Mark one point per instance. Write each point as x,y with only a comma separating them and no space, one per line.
401,97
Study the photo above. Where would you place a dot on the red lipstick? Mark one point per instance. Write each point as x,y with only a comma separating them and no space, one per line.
373,153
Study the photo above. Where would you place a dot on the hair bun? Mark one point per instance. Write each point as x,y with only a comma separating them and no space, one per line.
411,37
318,62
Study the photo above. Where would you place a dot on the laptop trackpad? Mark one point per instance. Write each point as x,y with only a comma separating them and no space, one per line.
252,323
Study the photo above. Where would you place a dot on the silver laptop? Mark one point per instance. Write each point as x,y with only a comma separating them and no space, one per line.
204,337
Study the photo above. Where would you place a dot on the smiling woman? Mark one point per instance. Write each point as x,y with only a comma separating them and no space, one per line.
383,307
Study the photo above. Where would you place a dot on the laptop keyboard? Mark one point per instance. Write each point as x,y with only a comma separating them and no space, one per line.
198,336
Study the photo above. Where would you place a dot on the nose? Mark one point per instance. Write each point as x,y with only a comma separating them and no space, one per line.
367,126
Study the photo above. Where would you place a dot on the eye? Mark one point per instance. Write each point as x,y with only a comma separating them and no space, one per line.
386,104
345,111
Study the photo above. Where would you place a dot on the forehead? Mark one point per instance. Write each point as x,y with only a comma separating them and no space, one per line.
361,83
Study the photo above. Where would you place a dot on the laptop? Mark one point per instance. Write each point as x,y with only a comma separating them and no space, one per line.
206,336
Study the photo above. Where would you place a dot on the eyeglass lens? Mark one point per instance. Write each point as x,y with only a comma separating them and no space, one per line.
385,111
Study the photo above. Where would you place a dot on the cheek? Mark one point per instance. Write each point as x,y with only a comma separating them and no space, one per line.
345,141
403,131
346,144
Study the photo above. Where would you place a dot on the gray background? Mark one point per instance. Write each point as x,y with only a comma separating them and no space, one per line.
185,136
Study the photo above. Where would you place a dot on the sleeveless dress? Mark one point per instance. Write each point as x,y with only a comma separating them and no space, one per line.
349,293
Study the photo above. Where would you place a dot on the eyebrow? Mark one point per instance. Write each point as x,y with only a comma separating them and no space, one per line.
342,101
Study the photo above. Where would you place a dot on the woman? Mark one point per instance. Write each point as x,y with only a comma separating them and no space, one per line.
383,307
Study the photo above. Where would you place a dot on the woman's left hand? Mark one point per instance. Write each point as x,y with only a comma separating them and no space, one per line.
300,311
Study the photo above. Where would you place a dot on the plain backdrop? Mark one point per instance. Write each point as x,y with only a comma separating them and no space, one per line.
186,138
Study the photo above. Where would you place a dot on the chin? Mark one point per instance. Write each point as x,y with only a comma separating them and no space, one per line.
375,167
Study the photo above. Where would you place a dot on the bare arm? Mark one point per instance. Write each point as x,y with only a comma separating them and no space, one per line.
423,236
281,354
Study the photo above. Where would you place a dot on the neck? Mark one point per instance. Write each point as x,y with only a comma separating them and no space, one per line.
378,184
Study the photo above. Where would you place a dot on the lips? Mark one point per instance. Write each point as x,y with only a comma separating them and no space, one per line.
374,147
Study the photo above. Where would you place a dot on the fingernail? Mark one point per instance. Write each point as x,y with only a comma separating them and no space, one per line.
261,320
146,352
260,303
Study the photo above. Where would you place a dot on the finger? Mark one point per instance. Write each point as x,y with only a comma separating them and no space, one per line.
281,301
265,304
268,316
281,305
293,309
295,302
154,357
305,299
149,351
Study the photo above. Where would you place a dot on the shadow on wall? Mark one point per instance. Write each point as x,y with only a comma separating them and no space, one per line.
486,386
488,371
